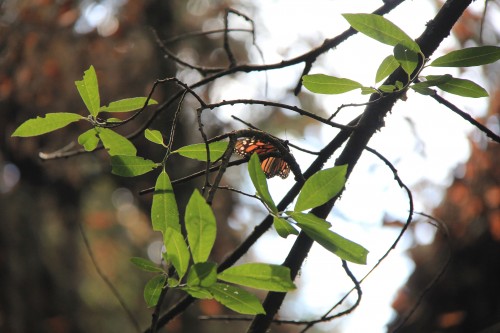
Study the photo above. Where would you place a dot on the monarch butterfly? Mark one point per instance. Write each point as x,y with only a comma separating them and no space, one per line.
272,166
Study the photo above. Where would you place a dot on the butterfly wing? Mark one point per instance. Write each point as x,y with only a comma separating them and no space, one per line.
272,166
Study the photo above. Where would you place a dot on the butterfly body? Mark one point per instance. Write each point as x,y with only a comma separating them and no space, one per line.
272,166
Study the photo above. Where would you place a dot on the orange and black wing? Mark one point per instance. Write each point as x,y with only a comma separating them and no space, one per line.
248,146
275,166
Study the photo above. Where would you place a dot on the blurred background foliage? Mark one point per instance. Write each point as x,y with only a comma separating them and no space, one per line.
48,282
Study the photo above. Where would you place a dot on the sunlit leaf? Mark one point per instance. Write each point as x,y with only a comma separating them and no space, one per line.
116,144
48,123
333,242
131,166
154,136
472,56
310,219
407,58
198,151
127,104
283,228
388,65
203,274
89,139
89,91
236,299
381,29
259,276
325,84
259,181
176,251
321,187
164,211
200,226
387,88
462,87
198,292
153,288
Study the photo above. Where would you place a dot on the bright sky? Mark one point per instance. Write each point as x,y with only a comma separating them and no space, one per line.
288,28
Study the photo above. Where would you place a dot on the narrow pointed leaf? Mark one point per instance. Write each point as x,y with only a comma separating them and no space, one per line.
236,299
116,144
146,265
48,123
198,292
127,104
381,29
89,91
199,152
388,65
154,136
473,56
164,211
407,58
462,87
153,288
283,228
89,139
321,187
310,219
260,182
325,84
333,242
200,226
202,274
176,250
259,276
131,166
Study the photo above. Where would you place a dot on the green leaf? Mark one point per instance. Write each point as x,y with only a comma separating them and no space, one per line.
388,65
154,136
387,88
203,274
153,288
199,152
89,91
146,265
283,228
259,276
259,181
131,166
127,104
434,80
310,219
198,292
200,226
462,87
116,144
236,299
333,242
325,84
407,58
164,211
423,90
472,56
381,29
321,187
89,139
368,91
50,122
177,251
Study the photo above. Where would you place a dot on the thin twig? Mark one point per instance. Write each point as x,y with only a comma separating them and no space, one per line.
105,279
